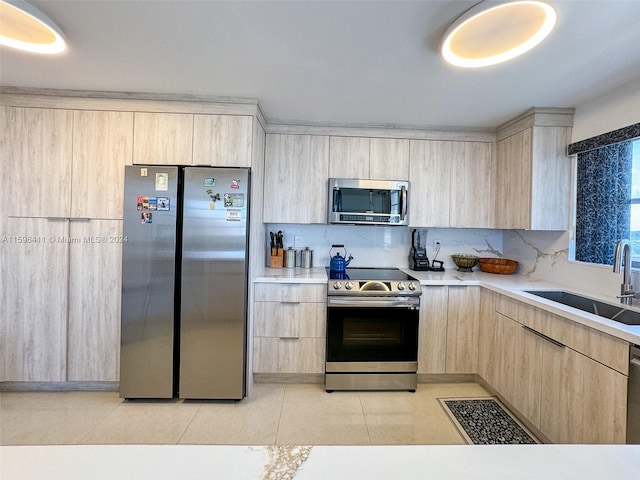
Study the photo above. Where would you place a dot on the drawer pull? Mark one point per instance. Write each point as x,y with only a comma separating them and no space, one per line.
290,303
544,337
289,338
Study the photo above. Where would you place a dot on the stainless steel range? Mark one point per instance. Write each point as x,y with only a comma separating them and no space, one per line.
372,330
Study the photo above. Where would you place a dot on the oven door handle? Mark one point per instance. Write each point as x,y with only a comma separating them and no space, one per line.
413,303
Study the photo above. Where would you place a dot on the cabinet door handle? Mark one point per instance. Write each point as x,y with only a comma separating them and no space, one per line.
289,338
289,303
71,219
544,337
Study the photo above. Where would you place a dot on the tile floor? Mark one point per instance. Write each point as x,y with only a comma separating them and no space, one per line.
275,414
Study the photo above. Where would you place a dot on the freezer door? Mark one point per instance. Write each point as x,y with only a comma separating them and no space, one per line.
214,283
148,277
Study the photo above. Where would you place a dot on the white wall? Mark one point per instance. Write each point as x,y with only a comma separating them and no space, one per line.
618,108
379,246
544,255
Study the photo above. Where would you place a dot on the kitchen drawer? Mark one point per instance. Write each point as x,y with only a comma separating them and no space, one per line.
276,319
606,349
507,306
288,355
291,292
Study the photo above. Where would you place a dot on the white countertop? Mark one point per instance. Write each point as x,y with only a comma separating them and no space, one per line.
514,286
443,462
292,275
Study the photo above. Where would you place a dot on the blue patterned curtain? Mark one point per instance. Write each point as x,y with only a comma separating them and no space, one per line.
603,201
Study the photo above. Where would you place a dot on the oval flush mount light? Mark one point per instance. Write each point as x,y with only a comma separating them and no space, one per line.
24,27
490,33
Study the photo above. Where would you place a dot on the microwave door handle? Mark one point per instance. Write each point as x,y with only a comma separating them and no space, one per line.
403,191
337,200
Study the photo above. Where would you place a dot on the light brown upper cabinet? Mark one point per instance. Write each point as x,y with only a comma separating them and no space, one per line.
222,140
66,163
349,157
102,146
472,194
364,157
295,179
36,149
188,139
389,159
163,138
533,172
451,184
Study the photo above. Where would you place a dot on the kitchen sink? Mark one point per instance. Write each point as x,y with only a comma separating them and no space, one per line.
602,309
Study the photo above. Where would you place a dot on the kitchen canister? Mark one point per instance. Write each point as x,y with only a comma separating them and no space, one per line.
306,258
290,258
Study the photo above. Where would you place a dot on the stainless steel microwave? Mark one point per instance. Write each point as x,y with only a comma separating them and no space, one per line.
368,202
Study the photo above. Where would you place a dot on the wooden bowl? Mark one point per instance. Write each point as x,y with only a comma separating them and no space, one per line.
498,265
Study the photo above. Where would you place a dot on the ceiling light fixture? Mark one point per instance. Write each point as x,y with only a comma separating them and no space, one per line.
494,32
24,27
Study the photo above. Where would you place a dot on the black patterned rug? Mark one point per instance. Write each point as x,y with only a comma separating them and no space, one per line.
484,421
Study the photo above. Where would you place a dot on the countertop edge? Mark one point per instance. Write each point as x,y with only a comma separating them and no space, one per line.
292,275
188,462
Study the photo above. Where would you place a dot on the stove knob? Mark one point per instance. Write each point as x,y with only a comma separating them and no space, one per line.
400,286
337,285
348,285
412,287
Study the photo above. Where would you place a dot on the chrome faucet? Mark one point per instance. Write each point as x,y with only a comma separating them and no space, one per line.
623,256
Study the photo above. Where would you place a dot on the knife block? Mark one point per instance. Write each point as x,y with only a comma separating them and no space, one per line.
276,259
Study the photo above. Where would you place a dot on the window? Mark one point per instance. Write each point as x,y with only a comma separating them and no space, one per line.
607,206
603,201
634,233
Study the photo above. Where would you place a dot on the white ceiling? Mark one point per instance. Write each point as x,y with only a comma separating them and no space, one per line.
370,62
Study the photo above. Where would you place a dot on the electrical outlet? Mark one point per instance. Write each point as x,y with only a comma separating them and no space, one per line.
297,241
436,244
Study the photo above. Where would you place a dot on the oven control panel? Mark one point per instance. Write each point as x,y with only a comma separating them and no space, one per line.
374,287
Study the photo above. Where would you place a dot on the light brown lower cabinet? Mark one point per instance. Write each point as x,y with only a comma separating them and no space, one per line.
448,329
60,300
94,300
583,401
289,328
33,300
432,333
568,396
463,322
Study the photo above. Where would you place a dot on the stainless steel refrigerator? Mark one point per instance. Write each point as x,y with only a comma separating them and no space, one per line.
184,282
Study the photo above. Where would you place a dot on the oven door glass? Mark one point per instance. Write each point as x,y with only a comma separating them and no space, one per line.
372,334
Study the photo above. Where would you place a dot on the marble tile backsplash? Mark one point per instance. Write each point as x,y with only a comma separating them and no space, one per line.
380,246
545,255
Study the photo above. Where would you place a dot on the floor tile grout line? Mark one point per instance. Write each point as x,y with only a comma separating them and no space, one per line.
284,394
189,424
364,417
97,424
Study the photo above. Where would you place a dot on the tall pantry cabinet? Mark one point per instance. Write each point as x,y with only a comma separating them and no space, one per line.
61,234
